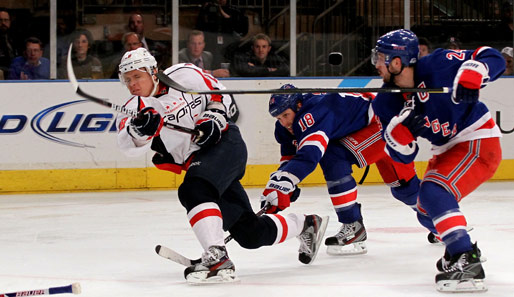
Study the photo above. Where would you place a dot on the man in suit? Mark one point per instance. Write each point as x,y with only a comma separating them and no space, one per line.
194,53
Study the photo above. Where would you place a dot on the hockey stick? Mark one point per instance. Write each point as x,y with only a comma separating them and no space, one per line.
72,289
116,107
174,256
174,85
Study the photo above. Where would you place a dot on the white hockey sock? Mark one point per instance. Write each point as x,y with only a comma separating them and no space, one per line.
207,224
288,226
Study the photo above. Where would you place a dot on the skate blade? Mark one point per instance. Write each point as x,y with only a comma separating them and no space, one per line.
461,286
356,248
201,277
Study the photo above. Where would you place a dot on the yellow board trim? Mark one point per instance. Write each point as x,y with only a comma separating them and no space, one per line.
79,180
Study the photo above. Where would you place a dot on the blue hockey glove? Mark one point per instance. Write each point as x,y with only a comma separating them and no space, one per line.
147,124
212,123
472,76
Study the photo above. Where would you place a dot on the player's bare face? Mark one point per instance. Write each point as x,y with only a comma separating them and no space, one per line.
139,82
286,119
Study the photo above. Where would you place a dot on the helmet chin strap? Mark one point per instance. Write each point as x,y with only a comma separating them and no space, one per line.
393,75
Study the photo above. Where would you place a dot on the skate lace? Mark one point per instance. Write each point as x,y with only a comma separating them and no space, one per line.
458,265
346,230
306,239
212,256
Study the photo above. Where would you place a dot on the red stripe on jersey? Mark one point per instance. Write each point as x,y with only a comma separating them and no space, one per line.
450,222
284,227
204,214
488,125
214,97
343,199
478,51
315,137
286,158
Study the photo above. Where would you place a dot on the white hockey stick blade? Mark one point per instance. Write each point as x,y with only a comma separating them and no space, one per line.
69,289
173,256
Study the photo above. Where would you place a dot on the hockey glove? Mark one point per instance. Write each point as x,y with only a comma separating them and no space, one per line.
147,124
279,192
211,123
472,76
403,129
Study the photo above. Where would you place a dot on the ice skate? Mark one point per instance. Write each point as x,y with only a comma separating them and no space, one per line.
311,236
443,263
350,240
464,273
216,267
434,239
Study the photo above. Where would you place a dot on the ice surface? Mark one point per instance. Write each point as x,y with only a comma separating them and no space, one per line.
106,242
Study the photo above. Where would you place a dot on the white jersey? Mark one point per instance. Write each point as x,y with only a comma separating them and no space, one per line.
177,108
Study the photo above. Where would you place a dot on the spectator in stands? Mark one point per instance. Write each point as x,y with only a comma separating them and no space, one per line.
136,24
7,47
85,66
159,49
31,65
224,26
260,61
194,53
453,43
507,54
130,41
504,31
424,47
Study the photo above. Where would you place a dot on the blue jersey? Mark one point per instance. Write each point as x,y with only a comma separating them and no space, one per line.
448,122
321,119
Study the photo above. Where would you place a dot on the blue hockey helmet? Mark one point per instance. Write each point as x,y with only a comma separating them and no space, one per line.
399,43
278,103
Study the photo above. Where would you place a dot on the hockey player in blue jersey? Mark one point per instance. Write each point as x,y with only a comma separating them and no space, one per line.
336,131
464,137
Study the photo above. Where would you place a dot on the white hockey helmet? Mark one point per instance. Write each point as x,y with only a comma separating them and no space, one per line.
135,60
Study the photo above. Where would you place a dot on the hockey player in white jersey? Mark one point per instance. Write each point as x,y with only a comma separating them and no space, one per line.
214,162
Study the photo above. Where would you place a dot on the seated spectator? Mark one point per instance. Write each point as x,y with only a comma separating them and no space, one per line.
260,61
453,43
85,66
507,54
130,41
424,47
194,53
7,46
31,65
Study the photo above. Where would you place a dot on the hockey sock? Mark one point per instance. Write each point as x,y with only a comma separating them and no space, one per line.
449,222
343,193
207,224
407,192
288,226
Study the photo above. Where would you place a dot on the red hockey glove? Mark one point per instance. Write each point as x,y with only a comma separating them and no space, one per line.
472,76
403,129
147,124
278,191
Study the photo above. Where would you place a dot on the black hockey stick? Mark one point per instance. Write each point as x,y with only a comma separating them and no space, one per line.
116,107
174,85
174,256
324,90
